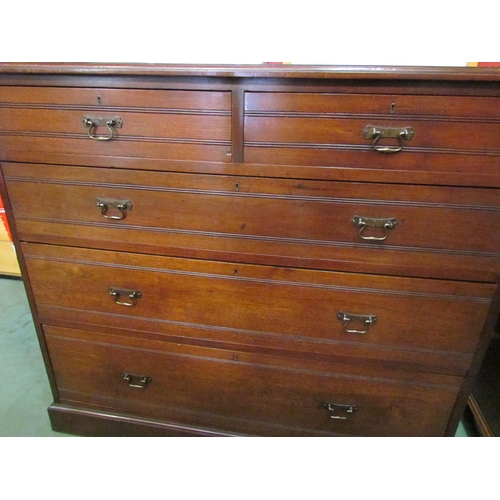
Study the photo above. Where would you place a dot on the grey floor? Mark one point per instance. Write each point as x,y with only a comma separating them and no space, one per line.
24,389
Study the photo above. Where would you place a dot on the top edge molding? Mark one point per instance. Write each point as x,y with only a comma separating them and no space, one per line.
257,71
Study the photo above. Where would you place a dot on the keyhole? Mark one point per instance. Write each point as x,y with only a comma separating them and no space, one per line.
393,107
99,100
236,187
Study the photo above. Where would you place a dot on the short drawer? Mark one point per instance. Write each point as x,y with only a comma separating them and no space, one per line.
172,124
430,324
424,133
381,228
242,393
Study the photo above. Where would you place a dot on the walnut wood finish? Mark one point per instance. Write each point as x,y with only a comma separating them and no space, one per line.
273,219
294,308
101,99
236,254
341,133
200,387
393,106
319,128
177,124
408,73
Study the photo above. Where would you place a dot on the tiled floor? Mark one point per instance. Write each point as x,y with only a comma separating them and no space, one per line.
24,390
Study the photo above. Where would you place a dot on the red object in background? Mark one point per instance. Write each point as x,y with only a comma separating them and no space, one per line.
488,64
4,218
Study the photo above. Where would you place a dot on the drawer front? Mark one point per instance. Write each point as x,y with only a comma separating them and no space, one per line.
430,230
244,393
99,98
166,124
334,130
395,105
350,132
402,320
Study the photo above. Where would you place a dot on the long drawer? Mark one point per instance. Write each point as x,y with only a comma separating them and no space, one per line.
245,393
430,324
349,130
412,231
172,124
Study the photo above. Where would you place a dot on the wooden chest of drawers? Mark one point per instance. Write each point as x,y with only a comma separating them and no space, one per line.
298,251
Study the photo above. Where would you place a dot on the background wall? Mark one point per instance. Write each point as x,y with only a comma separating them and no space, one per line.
418,32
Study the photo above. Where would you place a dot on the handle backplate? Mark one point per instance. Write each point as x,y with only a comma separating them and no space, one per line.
347,318
121,206
334,409
92,123
373,222
377,132
136,381
132,296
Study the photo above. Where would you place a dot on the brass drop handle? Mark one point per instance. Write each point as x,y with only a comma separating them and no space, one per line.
366,319
106,204
133,295
111,123
136,381
400,133
383,223
335,408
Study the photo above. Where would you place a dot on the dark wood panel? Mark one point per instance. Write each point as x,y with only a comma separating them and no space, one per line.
349,132
429,73
375,259
139,177
422,166
207,387
300,304
253,341
175,149
105,98
85,421
232,209
135,125
391,104
248,218
437,169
